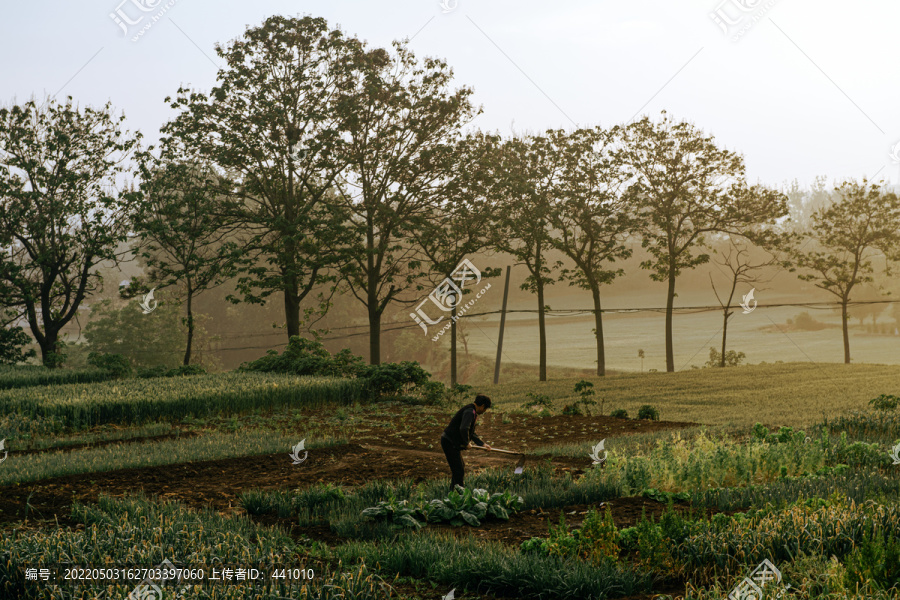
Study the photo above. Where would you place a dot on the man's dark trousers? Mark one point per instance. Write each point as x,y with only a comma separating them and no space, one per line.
454,458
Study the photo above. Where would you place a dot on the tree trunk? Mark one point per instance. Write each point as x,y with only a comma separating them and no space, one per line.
291,306
542,331
670,303
598,326
374,334
453,345
846,332
190,326
48,348
724,335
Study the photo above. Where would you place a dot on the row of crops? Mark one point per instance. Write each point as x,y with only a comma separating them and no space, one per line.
136,401
18,376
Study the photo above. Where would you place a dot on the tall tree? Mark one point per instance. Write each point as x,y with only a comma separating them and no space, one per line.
687,188
532,165
401,135
740,269
591,218
462,223
61,212
181,233
862,224
275,124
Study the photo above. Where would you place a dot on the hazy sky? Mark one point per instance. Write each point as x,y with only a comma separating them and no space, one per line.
801,88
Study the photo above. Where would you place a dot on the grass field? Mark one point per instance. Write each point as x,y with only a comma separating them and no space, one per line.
197,471
783,394
570,341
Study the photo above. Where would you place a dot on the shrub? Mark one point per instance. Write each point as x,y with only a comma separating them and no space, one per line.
390,379
597,537
732,358
619,413
541,400
116,364
884,402
876,562
150,372
306,357
807,323
648,412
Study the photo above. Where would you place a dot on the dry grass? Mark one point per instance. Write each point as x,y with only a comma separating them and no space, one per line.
795,394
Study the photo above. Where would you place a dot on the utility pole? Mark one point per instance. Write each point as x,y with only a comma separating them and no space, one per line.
502,325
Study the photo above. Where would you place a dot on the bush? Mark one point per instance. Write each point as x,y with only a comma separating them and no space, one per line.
807,323
596,540
732,358
307,357
390,379
619,413
876,562
186,370
648,412
150,372
163,371
884,402
116,364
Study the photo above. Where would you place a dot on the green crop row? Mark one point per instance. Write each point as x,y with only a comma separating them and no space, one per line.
19,376
137,532
494,568
137,401
44,465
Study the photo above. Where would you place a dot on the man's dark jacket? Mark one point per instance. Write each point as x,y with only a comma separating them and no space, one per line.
462,427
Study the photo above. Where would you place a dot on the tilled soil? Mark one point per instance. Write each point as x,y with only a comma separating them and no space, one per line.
391,445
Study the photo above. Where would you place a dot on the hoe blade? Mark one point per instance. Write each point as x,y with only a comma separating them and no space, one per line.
520,466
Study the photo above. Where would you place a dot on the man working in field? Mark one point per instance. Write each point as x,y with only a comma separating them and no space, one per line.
459,433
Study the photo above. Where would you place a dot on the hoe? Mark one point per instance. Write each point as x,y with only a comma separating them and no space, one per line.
519,465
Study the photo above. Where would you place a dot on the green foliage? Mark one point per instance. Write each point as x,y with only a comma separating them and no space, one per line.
875,562
660,496
140,400
596,541
597,537
116,364
145,340
69,218
648,412
21,376
399,513
391,379
619,413
884,402
307,357
494,568
462,506
161,371
142,532
702,462
12,340
726,545
732,358
582,406
466,506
